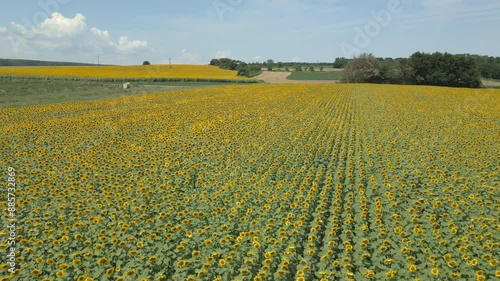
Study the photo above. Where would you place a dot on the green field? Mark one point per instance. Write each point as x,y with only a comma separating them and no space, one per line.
18,92
334,75
21,62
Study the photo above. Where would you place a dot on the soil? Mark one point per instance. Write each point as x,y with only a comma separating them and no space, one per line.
280,78
489,83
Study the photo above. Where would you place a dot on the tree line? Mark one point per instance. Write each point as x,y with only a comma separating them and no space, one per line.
438,69
255,68
243,68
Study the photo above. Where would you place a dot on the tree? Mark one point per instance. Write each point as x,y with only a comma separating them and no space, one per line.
270,64
440,69
321,69
363,69
340,62
405,71
311,68
146,63
280,65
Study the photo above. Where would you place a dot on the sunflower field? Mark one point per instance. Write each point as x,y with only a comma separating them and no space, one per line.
257,182
198,72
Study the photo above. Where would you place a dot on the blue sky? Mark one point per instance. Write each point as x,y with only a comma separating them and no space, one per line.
195,31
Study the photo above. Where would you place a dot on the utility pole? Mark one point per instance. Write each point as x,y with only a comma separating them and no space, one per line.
97,60
170,62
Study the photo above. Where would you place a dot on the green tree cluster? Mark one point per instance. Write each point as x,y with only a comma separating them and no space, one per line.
436,69
488,66
340,62
244,69
445,70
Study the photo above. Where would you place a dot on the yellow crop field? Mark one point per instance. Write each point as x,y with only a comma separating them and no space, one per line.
257,182
141,71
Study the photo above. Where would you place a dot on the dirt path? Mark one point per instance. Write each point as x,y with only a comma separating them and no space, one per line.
490,83
280,77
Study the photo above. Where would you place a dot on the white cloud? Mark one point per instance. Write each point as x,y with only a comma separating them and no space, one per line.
222,54
126,45
60,26
60,36
296,59
100,33
187,58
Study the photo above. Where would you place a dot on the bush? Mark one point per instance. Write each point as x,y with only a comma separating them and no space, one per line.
146,63
363,69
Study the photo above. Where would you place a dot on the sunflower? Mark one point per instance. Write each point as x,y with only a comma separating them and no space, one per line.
472,262
102,261
110,271
131,273
370,273
16,272
182,263
434,271
390,274
244,271
281,272
60,274
63,266
412,268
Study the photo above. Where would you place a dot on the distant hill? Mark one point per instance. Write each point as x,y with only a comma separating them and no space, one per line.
20,62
